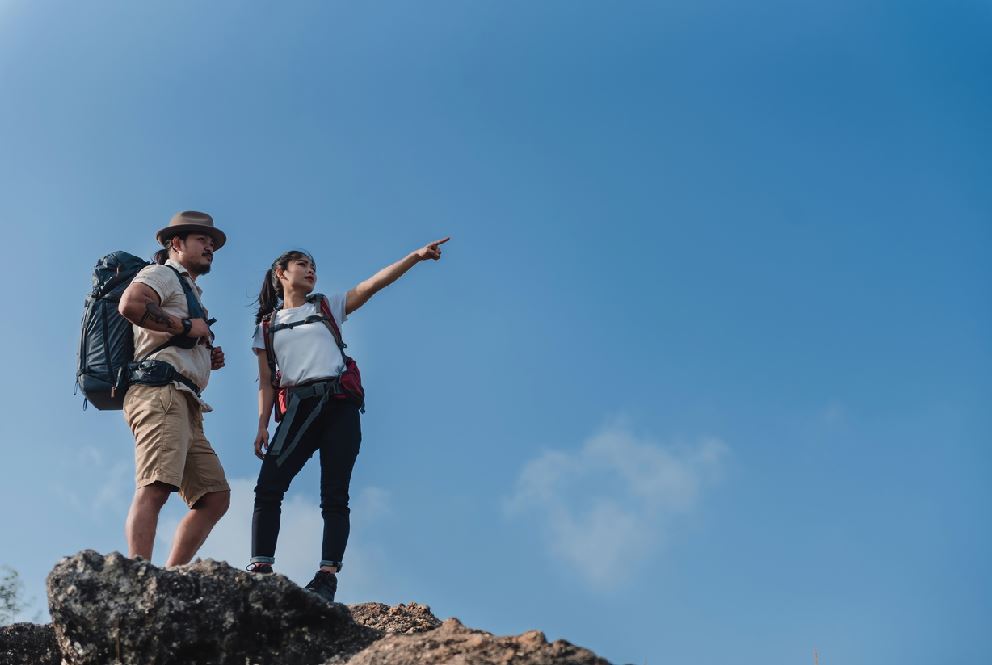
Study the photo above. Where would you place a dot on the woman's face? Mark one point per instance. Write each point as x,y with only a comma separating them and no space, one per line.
299,275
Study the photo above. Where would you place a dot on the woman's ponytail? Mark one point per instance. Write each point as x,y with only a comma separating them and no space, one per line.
268,296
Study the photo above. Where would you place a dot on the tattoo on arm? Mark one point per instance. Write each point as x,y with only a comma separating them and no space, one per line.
155,314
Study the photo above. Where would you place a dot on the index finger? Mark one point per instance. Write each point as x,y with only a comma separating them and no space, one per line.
441,242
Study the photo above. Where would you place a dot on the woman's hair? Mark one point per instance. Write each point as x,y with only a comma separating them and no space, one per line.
271,292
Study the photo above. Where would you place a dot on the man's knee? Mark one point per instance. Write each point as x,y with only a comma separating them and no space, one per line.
214,503
153,496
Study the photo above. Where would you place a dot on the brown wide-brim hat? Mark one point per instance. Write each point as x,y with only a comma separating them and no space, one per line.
191,221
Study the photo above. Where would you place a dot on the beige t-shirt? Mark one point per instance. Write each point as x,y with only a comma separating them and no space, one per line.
193,363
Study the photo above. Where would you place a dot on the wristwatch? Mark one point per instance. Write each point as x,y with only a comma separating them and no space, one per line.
187,326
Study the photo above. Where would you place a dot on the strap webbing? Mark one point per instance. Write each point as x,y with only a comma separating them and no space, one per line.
270,351
193,305
326,389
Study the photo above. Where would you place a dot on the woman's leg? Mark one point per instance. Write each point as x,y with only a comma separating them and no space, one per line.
339,448
273,481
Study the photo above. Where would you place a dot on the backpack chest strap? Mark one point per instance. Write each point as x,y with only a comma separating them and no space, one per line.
313,318
324,316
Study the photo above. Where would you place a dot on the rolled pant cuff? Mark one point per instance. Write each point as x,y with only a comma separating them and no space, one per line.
336,564
263,559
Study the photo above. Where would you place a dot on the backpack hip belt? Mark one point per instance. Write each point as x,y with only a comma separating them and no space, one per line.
331,386
158,373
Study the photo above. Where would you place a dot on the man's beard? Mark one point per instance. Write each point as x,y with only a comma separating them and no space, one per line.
203,268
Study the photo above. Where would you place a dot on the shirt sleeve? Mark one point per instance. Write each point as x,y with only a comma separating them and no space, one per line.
258,340
161,280
337,302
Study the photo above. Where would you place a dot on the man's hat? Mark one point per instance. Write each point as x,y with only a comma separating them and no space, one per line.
191,221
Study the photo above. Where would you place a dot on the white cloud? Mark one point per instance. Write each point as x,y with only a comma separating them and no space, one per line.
300,533
92,469
610,505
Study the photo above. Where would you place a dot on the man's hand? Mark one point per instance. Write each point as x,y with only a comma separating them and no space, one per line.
216,356
199,329
431,251
261,442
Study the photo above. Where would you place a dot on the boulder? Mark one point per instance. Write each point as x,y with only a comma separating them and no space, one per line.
110,608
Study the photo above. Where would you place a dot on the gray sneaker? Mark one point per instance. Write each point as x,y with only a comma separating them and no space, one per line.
324,584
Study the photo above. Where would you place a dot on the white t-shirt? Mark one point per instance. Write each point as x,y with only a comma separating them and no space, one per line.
308,351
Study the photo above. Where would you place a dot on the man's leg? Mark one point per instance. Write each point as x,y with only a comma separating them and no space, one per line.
204,488
195,527
142,519
158,421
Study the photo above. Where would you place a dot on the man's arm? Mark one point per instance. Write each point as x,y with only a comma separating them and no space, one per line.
141,305
360,295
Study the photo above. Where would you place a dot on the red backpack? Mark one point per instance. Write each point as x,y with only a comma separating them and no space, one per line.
350,379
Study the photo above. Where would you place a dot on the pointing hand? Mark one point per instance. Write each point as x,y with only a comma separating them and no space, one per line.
432,250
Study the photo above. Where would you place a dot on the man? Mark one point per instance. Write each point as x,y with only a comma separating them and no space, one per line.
174,356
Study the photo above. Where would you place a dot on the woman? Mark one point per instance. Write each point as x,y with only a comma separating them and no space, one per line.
300,351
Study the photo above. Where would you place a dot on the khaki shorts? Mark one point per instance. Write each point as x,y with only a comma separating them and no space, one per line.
170,447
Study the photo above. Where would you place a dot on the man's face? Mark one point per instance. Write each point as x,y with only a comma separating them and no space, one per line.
196,252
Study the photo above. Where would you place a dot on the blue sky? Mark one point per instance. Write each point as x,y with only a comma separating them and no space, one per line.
703,375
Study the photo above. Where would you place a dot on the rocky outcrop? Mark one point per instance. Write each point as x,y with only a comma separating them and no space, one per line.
114,610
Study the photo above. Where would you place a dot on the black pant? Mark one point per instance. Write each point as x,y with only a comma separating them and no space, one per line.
336,433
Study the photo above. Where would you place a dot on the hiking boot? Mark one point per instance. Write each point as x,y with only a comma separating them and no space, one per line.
259,568
324,584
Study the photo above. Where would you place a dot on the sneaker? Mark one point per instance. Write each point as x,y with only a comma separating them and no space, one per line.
324,584
259,568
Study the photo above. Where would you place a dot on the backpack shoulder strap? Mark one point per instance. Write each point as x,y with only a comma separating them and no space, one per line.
193,305
270,350
328,318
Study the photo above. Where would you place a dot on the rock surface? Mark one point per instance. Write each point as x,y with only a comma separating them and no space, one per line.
28,644
113,609
402,619
117,611
454,643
